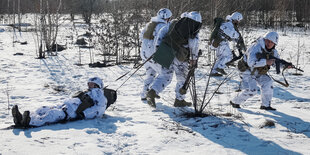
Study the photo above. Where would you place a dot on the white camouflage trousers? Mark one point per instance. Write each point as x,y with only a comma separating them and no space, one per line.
223,55
166,75
45,114
152,70
249,85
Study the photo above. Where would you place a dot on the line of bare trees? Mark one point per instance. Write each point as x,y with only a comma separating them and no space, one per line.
121,20
256,12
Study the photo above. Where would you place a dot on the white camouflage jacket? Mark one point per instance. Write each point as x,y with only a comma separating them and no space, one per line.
147,47
229,29
250,57
193,44
97,110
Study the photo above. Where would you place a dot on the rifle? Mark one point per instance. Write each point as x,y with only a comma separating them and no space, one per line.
240,46
240,43
278,63
190,74
138,67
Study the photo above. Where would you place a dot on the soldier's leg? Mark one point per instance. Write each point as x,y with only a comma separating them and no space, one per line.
160,83
162,80
149,78
249,89
181,71
217,61
46,116
224,55
266,85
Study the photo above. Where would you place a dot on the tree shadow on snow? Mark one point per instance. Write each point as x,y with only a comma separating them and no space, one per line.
106,124
292,123
286,95
226,132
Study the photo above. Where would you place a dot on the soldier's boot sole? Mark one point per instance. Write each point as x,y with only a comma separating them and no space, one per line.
26,119
151,102
17,116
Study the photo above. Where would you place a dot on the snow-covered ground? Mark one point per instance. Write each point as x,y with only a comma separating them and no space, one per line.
130,126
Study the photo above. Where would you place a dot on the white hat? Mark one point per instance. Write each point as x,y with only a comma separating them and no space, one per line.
97,81
194,15
164,13
184,14
272,36
235,16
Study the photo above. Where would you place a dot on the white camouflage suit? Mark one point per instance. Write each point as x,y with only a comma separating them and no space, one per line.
53,114
147,50
249,81
223,51
180,68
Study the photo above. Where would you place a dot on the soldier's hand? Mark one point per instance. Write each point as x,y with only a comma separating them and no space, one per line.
80,115
259,55
193,63
289,66
270,61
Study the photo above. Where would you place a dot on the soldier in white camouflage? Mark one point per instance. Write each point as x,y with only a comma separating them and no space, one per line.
147,36
254,71
181,36
227,33
88,104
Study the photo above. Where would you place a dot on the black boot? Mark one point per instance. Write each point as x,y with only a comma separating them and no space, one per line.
267,108
151,98
145,98
181,103
235,105
26,119
215,74
17,116
221,71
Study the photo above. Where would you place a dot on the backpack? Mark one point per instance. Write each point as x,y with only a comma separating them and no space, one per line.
172,45
148,34
215,37
87,102
111,96
242,65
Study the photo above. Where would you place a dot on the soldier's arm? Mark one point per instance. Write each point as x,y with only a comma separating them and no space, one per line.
230,31
160,36
142,32
253,61
193,45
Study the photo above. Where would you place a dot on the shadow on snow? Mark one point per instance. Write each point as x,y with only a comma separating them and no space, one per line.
293,124
286,95
97,125
228,133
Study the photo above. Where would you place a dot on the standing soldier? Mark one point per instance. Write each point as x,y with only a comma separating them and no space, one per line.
177,50
149,32
227,31
254,68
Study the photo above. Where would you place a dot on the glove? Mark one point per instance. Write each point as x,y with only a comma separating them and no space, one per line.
80,115
86,103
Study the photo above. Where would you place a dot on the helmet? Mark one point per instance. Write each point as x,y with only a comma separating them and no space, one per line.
164,13
184,14
97,81
227,17
272,36
194,15
236,16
